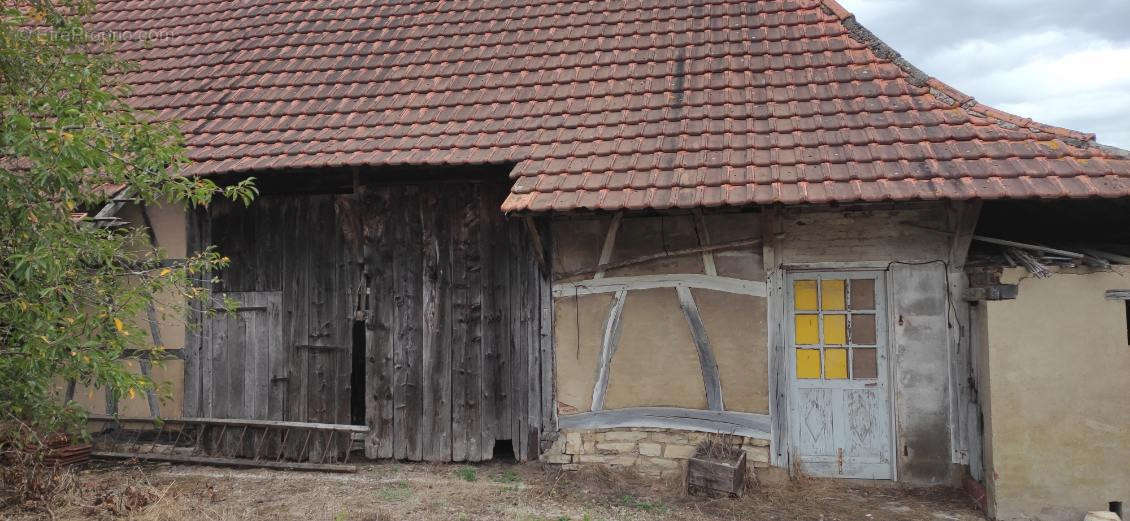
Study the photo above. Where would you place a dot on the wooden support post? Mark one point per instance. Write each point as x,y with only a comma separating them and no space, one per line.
772,232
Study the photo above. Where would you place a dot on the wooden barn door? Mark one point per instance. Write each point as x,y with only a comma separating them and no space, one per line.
245,356
457,326
298,250
840,418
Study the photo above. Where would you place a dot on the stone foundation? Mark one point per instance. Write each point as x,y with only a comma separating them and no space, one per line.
652,452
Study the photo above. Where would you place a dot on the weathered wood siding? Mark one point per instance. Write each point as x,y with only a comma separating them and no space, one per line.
453,296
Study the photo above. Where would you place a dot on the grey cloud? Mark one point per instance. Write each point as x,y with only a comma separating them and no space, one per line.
1060,62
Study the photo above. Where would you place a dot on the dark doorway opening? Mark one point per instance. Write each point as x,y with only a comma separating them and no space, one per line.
357,375
504,452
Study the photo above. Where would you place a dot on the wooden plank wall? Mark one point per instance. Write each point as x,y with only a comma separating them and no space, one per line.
455,301
458,353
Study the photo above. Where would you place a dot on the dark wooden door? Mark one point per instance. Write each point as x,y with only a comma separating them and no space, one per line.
295,246
243,356
458,324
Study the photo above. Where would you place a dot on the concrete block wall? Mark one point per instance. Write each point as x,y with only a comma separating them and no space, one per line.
660,453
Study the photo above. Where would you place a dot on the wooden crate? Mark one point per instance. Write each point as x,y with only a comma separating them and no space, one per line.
715,478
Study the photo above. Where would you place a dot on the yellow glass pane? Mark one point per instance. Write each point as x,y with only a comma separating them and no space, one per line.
835,330
807,364
832,295
807,330
804,295
835,364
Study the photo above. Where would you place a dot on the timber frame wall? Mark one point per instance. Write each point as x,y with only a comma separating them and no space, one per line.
661,322
455,299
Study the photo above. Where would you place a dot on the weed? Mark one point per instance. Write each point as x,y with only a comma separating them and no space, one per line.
395,492
507,476
466,474
340,516
631,501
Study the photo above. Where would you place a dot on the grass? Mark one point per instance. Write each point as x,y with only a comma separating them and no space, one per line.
466,474
382,492
507,476
395,492
631,501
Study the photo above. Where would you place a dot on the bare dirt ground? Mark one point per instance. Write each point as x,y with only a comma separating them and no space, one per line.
420,492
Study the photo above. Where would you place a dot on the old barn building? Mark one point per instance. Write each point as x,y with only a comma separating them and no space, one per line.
593,232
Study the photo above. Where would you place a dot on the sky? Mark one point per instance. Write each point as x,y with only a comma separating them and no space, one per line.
1060,62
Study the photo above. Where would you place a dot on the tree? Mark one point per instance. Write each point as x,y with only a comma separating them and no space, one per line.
69,290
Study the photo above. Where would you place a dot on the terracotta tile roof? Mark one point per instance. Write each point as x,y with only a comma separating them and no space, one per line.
644,104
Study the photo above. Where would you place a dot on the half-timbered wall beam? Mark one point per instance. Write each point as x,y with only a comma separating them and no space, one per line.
745,424
706,360
608,344
642,282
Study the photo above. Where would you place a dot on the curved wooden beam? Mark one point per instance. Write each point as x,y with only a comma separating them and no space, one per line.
706,360
608,344
745,424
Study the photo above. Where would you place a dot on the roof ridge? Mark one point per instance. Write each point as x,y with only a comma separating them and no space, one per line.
952,95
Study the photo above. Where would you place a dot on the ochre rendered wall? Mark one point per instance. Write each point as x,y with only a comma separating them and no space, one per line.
169,224
657,362
1058,429
577,360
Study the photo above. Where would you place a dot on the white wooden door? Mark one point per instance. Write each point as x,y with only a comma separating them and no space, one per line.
840,420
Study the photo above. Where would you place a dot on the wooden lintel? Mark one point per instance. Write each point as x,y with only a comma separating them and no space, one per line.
665,255
722,422
676,280
993,292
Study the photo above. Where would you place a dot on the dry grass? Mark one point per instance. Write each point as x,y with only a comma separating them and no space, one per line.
421,492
